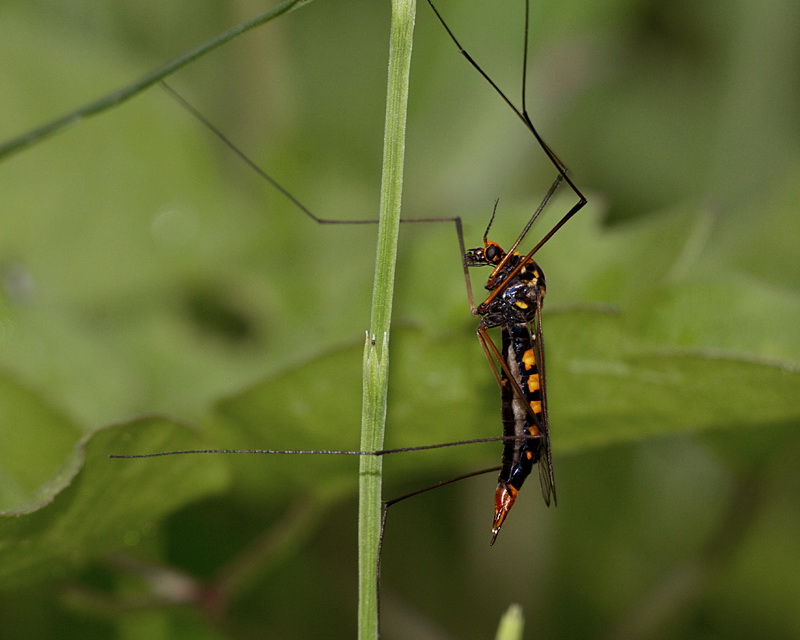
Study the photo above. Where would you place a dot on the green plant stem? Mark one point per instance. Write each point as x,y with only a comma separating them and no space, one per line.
123,94
376,352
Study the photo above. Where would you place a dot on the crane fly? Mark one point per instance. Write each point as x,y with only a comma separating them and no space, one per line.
516,290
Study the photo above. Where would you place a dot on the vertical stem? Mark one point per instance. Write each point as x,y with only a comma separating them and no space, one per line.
376,352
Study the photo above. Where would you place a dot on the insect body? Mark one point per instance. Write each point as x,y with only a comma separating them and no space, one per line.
514,304
517,287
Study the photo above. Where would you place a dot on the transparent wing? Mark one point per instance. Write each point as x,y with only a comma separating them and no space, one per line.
546,475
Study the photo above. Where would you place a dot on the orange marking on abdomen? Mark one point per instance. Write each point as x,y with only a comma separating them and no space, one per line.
533,430
529,359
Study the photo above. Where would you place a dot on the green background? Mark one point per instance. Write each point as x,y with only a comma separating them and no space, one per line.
157,295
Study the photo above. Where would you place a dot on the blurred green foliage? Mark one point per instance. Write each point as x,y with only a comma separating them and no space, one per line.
146,272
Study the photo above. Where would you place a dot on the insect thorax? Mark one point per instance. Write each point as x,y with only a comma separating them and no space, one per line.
519,297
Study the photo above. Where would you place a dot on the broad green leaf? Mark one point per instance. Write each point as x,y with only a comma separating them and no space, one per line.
103,504
36,457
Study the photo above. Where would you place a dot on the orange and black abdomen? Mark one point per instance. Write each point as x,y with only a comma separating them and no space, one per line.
521,416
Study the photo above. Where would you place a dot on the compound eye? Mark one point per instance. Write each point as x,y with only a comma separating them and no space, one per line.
493,252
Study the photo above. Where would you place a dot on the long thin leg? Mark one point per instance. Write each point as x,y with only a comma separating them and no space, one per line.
291,197
522,114
329,452
393,501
